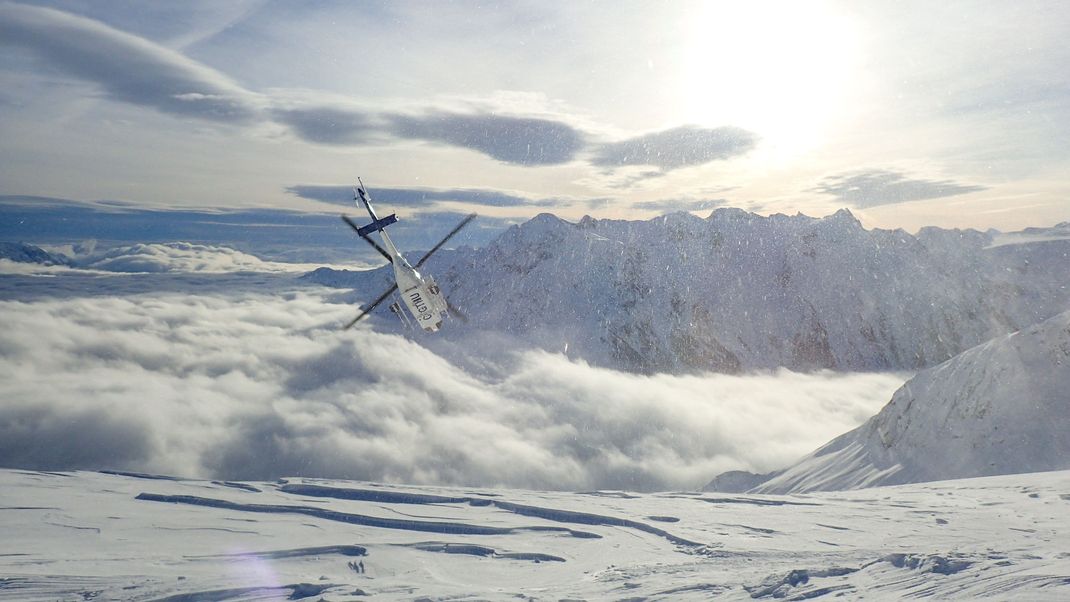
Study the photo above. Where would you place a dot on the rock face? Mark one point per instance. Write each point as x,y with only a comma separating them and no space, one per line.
739,291
1002,407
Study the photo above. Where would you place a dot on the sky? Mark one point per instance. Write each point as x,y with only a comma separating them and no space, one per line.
911,113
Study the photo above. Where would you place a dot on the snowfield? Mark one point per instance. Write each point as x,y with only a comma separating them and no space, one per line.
85,535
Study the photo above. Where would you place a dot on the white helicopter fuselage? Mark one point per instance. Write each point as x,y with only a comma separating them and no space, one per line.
420,294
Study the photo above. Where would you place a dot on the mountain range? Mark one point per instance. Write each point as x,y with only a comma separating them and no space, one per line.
738,291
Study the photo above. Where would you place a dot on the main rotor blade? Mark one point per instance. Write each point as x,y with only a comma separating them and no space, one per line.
371,242
464,222
369,308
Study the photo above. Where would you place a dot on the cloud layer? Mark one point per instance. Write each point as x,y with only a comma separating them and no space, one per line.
243,385
667,205
421,197
678,147
129,68
329,125
180,257
517,140
871,188
134,70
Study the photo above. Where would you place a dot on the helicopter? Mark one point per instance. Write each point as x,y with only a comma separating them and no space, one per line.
421,295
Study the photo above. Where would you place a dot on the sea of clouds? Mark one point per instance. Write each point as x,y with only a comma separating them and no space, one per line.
178,257
253,379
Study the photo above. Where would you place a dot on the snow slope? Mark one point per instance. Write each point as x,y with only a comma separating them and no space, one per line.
83,536
738,291
1002,407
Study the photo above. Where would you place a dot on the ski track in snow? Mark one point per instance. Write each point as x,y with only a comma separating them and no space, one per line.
148,537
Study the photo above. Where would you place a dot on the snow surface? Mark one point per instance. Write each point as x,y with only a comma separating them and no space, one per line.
1001,407
83,536
738,291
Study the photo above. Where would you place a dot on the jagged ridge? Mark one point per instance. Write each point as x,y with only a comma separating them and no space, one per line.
738,291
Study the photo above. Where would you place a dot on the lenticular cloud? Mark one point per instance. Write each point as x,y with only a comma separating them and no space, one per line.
254,386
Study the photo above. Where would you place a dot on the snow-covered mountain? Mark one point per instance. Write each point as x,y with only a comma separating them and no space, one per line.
738,291
1057,232
1002,407
25,253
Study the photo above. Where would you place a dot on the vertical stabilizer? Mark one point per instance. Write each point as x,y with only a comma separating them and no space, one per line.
359,193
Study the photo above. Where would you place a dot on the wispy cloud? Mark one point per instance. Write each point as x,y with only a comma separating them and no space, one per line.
235,383
330,125
518,140
515,140
135,70
422,197
128,68
678,147
874,187
681,204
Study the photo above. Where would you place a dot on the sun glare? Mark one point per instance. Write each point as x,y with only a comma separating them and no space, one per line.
781,69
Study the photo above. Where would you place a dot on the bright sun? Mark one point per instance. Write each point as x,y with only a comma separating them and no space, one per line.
780,69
